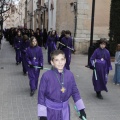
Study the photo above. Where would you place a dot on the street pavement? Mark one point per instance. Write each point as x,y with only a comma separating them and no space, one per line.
16,103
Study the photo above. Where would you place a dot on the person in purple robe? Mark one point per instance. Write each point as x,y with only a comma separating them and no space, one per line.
34,58
56,87
51,43
25,44
101,63
17,46
67,41
60,38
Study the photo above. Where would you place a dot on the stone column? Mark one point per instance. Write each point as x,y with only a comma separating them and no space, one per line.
83,27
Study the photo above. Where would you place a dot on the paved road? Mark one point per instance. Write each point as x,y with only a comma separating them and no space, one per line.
16,103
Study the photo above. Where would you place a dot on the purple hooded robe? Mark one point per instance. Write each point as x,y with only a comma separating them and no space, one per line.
102,67
51,44
17,46
52,103
34,57
24,46
67,51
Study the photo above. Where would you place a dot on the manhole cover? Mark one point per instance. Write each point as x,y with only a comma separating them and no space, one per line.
2,67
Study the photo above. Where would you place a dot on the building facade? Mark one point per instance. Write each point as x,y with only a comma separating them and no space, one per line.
101,23
30,14
10,17
21,13
73,15
65,16
41,17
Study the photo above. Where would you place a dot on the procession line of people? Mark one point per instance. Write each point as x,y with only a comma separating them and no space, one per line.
57,85
28,51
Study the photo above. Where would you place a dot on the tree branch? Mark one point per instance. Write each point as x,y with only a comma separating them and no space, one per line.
3,4
5,18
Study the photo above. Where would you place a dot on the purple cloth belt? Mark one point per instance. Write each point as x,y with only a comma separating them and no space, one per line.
64,106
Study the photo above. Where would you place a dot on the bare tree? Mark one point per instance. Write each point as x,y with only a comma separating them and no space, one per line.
5,5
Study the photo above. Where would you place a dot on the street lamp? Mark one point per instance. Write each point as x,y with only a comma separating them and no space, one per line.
73,6
91,47
74,9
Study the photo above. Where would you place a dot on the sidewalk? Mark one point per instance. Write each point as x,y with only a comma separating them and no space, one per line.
16,103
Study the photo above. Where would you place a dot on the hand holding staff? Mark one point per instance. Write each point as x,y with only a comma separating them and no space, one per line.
38,67
66,46
78,112
41,68
95,70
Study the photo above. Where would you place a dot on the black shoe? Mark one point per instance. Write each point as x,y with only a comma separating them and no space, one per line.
99,96
24,73
32,92
17,63
49,63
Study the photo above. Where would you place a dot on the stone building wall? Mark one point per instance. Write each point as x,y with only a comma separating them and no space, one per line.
64,16
101,24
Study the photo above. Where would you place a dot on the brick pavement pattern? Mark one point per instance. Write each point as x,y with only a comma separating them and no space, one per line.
16,103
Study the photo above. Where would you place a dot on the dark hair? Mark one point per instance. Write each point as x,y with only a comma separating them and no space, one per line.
44,30
55,33
38,30
25,37
63,32
103,40
18,32
67,32
118,47
32,31
56,53
31,39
